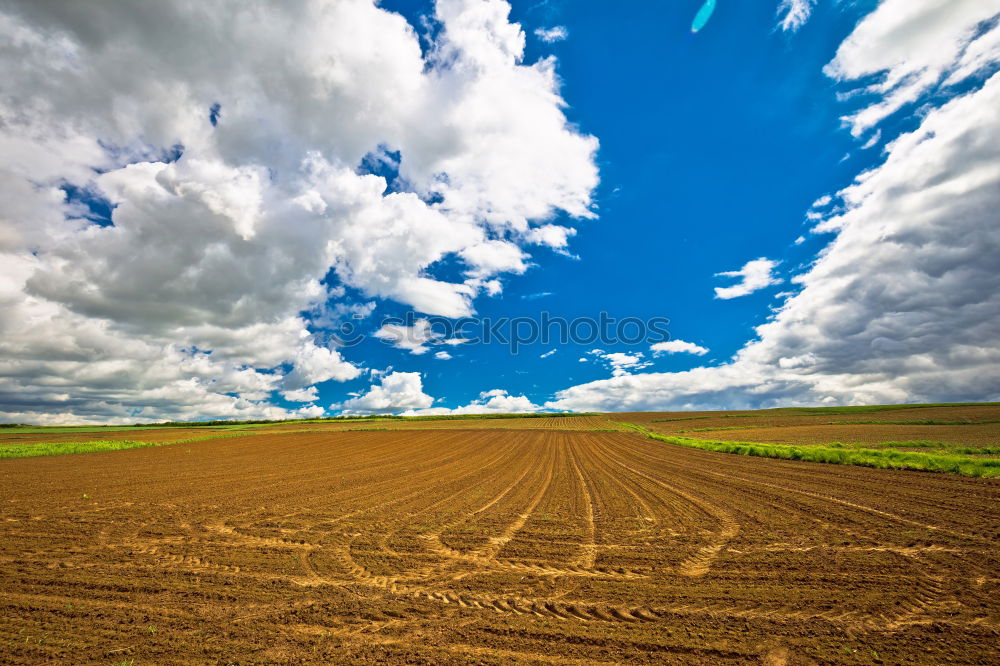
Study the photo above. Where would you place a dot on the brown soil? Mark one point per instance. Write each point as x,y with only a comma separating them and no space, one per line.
132,434
160,435
530,423
969,413
533,423
802,428
489,546
971,435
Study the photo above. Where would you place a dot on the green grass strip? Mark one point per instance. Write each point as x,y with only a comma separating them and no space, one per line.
718,428
20,428
977,450
63,448
880,459
919,444
920,423
95,446
44,430
861,409
871,409
764,426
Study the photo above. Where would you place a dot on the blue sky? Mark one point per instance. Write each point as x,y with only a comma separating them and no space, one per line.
804,188
713,147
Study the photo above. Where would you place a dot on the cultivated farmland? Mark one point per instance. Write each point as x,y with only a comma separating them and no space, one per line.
548,540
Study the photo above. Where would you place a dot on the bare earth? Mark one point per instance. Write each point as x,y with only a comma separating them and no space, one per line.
977,425
489,543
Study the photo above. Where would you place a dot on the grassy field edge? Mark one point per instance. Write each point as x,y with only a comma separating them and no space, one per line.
22,428
880,459
95,446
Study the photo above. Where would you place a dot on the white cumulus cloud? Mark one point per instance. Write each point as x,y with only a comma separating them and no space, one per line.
232,227
395,392
496,401
754,276
913,46
678,347
301,395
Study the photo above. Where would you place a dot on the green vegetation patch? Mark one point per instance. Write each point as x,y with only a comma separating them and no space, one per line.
920,444
19,428
718,428
857,409
95,446
464,417
765,426
929,422
872,409
878,458
62,448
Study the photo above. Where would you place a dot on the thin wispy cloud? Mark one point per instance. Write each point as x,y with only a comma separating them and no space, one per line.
793,14
551,35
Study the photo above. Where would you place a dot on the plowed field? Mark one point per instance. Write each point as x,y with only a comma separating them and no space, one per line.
489,545
973,425
141,434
